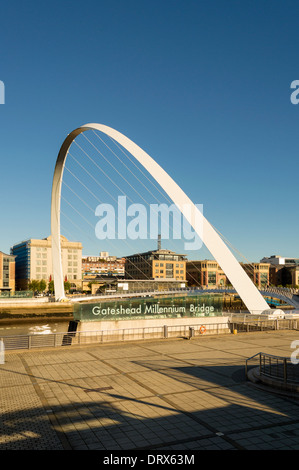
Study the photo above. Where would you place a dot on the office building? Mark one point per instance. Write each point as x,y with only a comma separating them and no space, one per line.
98,265
157,264
7,272
280,260
205,273
34,261
258,273
283,271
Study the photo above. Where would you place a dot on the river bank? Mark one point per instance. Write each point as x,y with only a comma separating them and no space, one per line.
34,317
28,311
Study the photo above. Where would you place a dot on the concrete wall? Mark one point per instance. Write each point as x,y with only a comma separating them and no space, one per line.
109,325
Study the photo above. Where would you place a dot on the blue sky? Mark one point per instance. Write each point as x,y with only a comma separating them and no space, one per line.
202,86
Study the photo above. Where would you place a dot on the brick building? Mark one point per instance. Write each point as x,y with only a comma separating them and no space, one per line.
157,264
7,272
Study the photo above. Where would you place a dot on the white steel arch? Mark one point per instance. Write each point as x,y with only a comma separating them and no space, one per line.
250,295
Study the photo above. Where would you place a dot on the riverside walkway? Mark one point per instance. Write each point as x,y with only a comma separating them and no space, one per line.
165,395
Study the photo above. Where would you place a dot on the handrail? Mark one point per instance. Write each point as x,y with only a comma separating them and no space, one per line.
281,369
246,363
69,338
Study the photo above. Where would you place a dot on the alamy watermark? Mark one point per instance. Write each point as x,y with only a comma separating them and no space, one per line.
2,92
137,221
295,94
294,358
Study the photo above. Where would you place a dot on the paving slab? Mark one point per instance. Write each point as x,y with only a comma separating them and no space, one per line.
173,394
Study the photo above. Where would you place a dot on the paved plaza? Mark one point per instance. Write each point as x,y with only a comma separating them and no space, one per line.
166,395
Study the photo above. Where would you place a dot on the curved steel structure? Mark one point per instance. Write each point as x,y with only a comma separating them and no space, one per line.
250,295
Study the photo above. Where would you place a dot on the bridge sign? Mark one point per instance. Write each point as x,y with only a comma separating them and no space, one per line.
149,308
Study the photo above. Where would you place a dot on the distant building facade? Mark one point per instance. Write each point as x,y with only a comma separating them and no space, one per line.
208,274
280,260
205,273
272,271
157,264
259,273
99,265
7,272
283,271
34,261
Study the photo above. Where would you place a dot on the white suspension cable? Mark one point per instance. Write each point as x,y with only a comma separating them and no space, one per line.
117,172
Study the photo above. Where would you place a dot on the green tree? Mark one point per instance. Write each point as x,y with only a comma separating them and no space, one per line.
90,284
34,285
51,286
67,286
42,285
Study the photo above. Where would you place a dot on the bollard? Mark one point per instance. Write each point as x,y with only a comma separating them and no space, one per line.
191,332
2,351
235,332
165,331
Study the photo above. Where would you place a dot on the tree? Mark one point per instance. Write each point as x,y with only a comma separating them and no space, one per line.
42,285
34,285
51,286
90,284
67,286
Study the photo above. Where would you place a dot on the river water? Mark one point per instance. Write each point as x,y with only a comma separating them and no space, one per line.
33,327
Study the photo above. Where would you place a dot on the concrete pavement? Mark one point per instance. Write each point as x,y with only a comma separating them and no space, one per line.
166,395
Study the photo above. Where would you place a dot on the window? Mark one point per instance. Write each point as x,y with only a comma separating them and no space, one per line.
264,278
212,277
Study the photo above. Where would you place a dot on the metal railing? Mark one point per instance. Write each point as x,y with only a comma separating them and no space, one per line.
246,324
102,336
283,293
270,289
69,338
277,368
